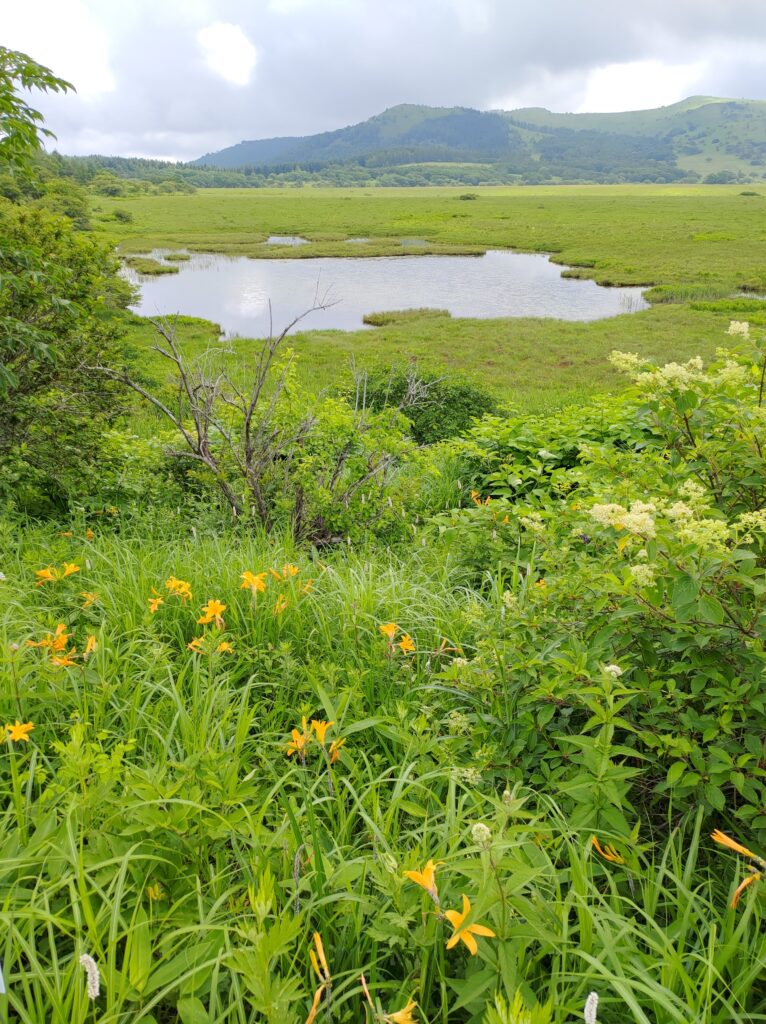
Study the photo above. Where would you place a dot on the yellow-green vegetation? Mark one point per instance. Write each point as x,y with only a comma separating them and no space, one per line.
150,267
318,708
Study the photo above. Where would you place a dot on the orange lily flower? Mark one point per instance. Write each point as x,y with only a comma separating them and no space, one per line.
196,644
253,581
224,648
320,728
281,604
405,645
466,934
91,646
608,853
155,602
179,588
89,598
18,731
213,610
426,879
300,740
732,844
389,630
64,660
335,750
403,1016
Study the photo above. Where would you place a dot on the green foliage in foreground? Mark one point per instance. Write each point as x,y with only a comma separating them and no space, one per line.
573,648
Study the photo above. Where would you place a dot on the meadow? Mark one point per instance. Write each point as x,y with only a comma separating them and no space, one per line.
698,247
309,720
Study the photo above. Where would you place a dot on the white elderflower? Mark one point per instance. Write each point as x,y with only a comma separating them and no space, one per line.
692,491
625,362
458,723
510,600
706,533
680,512
607,515
533,522
643,575
93,980
732,373
739,327
613,670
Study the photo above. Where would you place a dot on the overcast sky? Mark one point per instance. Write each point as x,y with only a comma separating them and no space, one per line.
179,78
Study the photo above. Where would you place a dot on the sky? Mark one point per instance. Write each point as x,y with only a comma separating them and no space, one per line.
176,79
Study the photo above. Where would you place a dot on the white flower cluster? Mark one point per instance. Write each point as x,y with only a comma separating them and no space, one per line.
639,520
680,512
481,835
693,492
470,776
590,1012
731,373
676,376
510,600
92,979
739,327
706,533
626,362
613,670
533,522
458,723
643,575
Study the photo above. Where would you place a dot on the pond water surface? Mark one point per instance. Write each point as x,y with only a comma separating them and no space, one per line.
234,291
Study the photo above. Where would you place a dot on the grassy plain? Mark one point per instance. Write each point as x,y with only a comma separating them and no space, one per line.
698,245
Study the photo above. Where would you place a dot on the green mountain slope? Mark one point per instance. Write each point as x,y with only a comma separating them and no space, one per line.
693,139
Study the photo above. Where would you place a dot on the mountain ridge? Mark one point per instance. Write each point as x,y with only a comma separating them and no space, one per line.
698,137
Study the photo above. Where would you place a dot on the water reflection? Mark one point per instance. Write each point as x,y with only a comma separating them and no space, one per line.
235,291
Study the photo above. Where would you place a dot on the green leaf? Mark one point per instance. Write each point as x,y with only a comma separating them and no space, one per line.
675,772
192,1011
685,591
711,609
140,961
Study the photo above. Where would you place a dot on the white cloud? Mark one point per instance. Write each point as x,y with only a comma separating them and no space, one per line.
228,52
639,85
66,37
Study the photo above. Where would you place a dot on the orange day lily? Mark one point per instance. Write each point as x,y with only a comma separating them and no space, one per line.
756,868
320,728
406,645
300,740
224,648
89,598
403,1016
389,630
608,852
55,641
281,604
253,581
426,879
212,610
196,644
18,731
155,602
335,747
319,963
466,934
179,588
91,646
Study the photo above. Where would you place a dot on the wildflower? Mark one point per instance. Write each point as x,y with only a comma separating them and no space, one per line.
315,1004
46,575
307,586
403,1016
281,604
608,852
533,522
196,644
591,1009
154,892
289,570
300,740
739,327
757,868
613,670
426,879
89,598
3,577
179,588
53,641
66,533
389,630
319,961
320,728
643,575
64,660
335,748
213,610
466,934
706,533
253,581
89,535
625,362
90,967
481,835
155,602
69,569
91,646
224,648
405,645
17,731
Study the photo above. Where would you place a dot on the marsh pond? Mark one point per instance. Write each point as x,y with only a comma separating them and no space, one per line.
235,291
